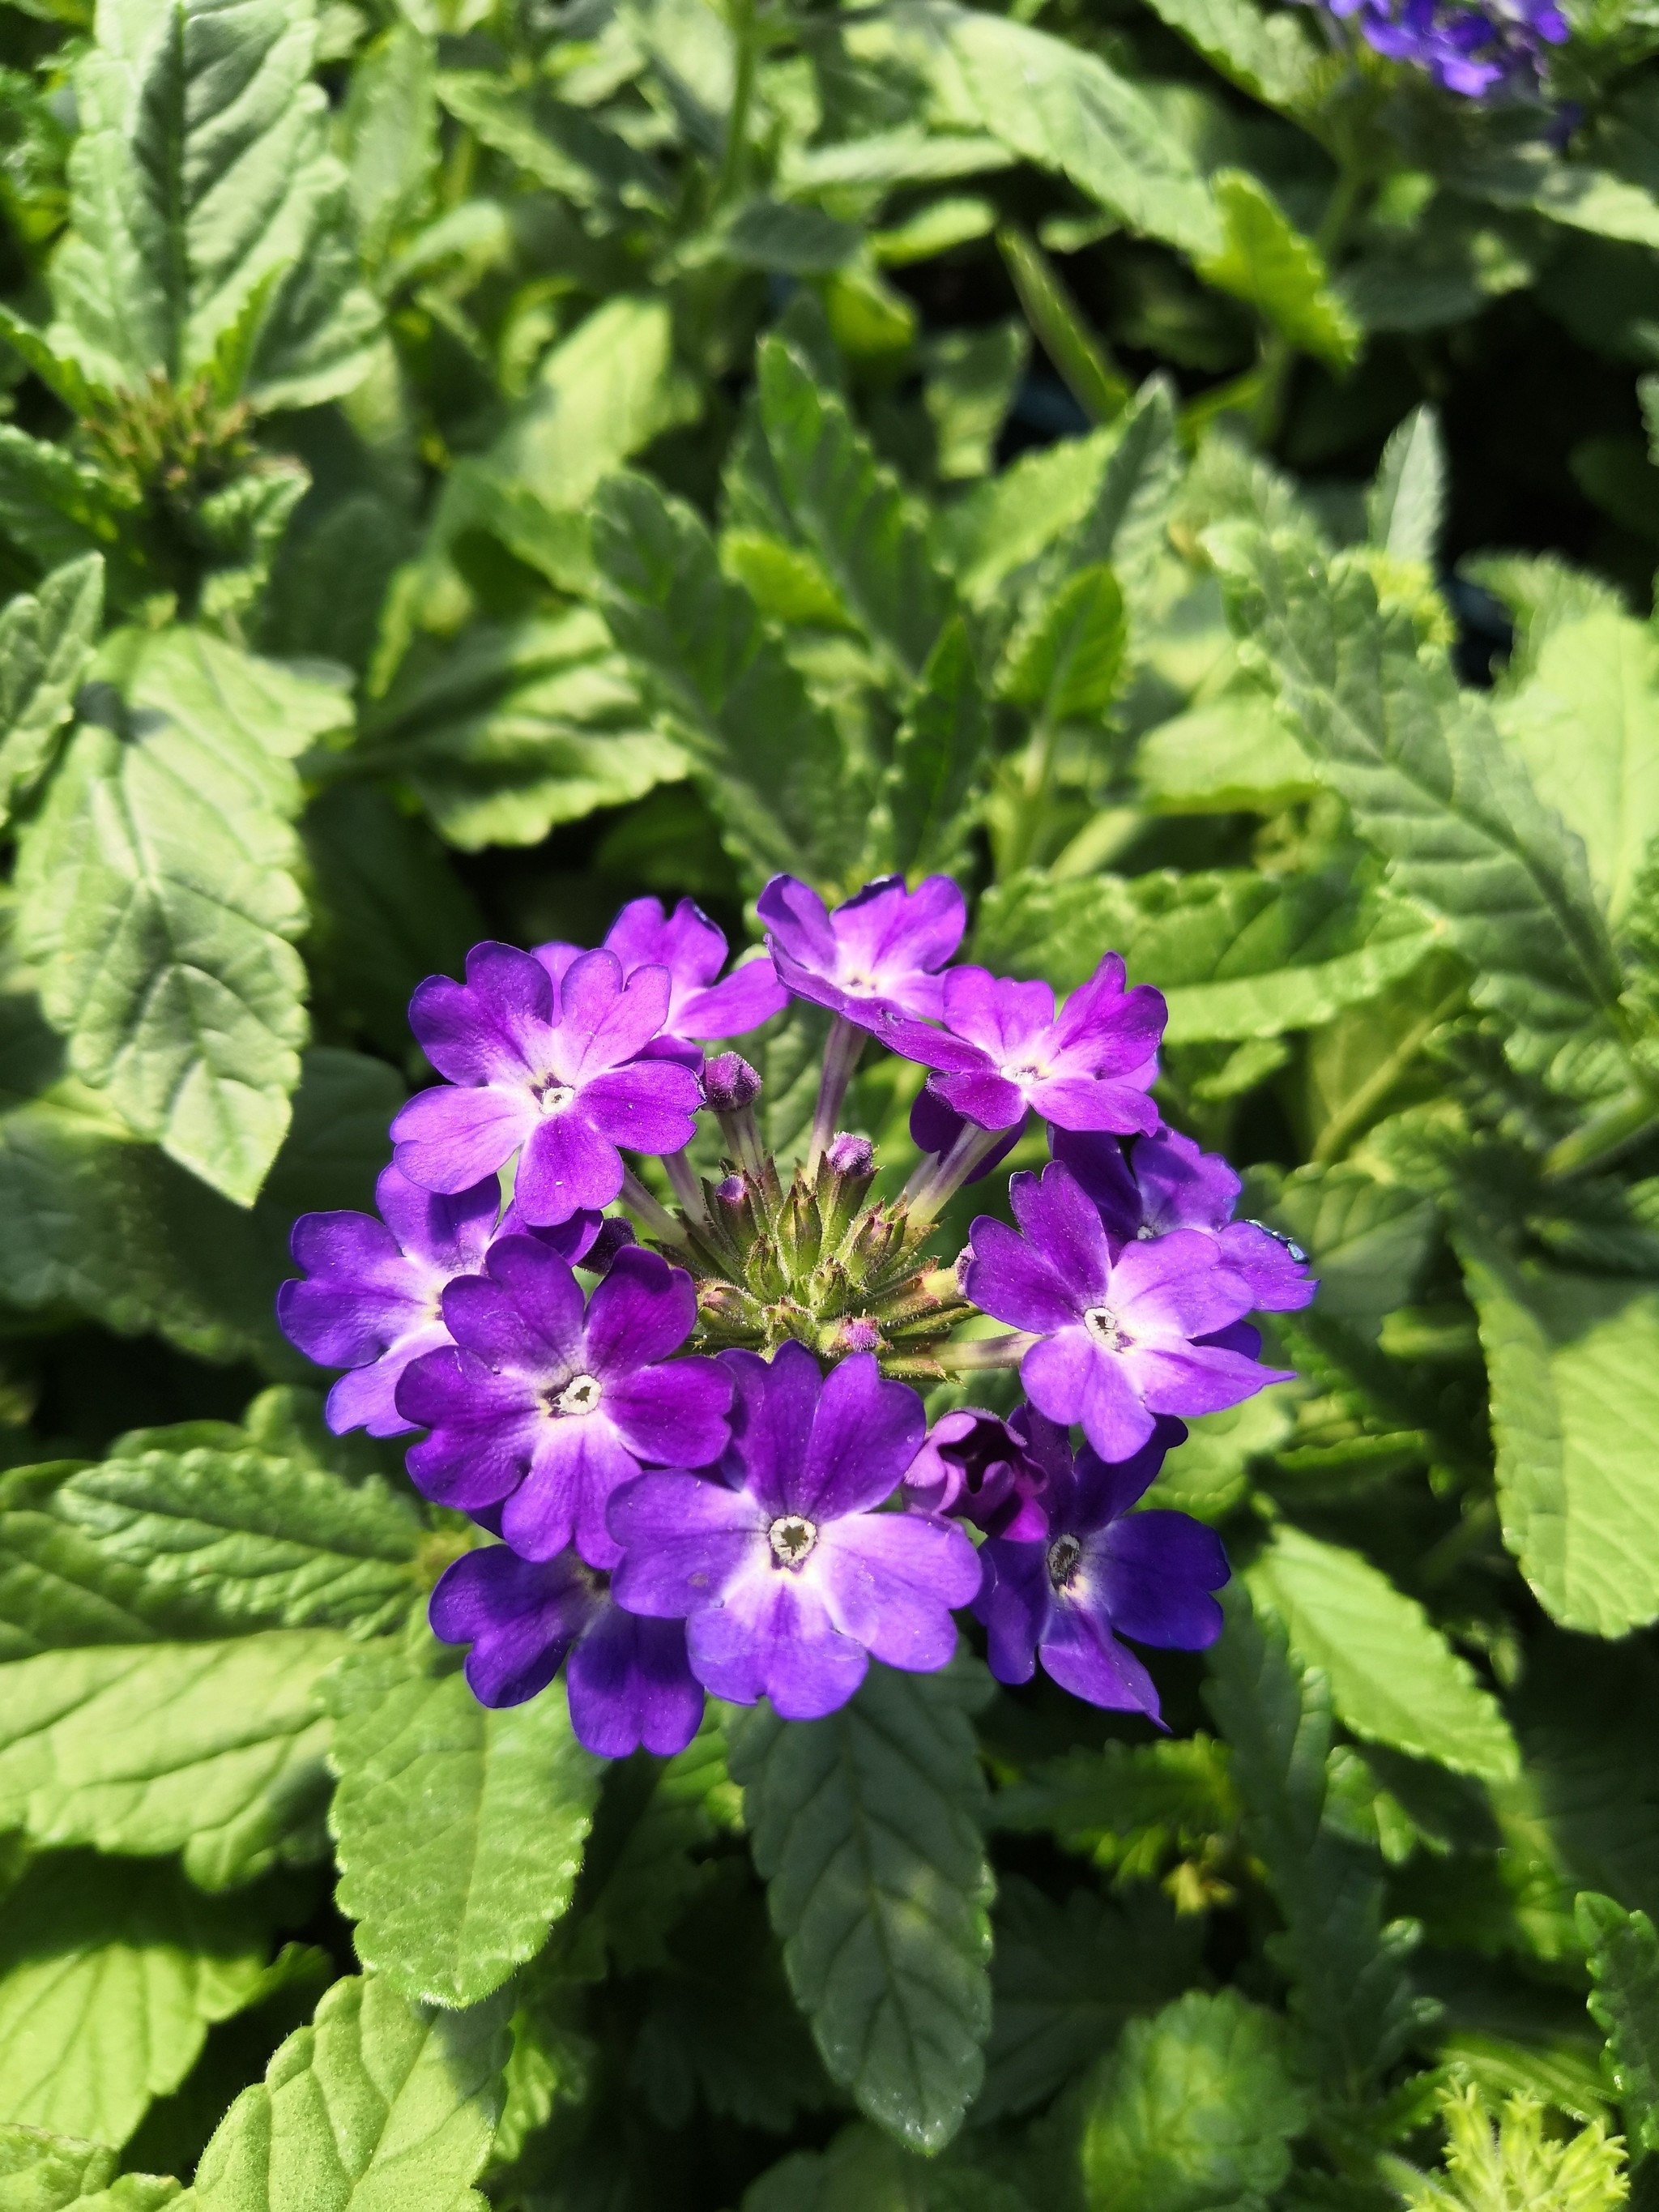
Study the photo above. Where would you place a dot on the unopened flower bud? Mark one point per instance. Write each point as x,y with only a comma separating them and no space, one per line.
614,1234
851,1156
857,1333
729,1083
731,1193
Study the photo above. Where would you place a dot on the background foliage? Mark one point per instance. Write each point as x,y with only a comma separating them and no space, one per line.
465,462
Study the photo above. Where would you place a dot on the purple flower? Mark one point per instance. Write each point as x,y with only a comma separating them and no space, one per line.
693,951
1475,52
1167,1183
874,959
1096,1573
548,1407
370,1301
626,1678
785,1571
549,1071
1005,1049
1121,1339
983,1469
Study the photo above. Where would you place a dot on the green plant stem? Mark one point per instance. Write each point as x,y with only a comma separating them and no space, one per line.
1093,379
1605,1133
734,159
1278,354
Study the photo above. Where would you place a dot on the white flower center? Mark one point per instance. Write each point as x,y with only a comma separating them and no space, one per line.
582,1394
791,1540
1026,1071
1107,1330
1063,1556
553,1097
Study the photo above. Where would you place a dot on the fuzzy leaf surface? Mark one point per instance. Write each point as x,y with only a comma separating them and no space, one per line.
866,1828
458,1830
213,1750
379,2105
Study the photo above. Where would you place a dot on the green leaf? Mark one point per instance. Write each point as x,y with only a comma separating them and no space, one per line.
108,1984
458,1830
1127,522
213,1750
1210,1473
798,241
561,146
1010,520
1405,506
1348,1989
1068,1978
1369,1242
1624,1963
378,2104
390,909
94,1222
1271,56
157,891
940,758
866,1828
655,1878
1128,1806
1234,756
57,508
1576,194
44,2172
1274,954
1573,1366
392,138
1065,660
851,515
1194,2111
971,379
1434,786
1267,262
1394,1678
513,730
1065,109
767,759
863,2171
166,264
45,642
194,1540
600,395
1586,723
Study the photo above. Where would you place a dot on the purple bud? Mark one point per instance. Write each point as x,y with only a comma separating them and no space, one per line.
857,1333
729,1084
731,1192
614,1234
851,1156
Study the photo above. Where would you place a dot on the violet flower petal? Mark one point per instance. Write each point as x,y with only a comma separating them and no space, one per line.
630,1686
448,1139
642,1311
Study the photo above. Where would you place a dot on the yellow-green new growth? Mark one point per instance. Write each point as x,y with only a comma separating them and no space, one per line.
1512,2167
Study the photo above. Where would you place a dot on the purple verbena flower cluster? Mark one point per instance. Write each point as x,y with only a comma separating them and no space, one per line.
684,1500
1480,52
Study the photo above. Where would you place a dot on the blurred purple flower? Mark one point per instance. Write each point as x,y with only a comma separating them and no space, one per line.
1121,1340
1166,1182
1475,52
1096,1573
787,1572
1004,1050
548,1407
551,1071
693,951
627,1679
874,959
